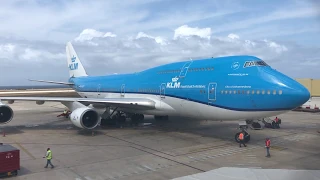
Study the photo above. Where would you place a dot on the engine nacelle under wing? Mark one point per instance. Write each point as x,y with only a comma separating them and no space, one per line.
85,118
6,113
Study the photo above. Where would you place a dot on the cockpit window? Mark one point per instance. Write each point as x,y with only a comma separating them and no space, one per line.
254,63
261,63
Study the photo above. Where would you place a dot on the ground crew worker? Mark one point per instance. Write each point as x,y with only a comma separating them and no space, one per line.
268,142
49,157
241,139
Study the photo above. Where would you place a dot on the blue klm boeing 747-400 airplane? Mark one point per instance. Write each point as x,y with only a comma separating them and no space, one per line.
223,88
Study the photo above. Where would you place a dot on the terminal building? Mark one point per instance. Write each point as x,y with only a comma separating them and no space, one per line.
313,85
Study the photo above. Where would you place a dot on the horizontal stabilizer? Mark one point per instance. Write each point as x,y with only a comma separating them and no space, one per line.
53,82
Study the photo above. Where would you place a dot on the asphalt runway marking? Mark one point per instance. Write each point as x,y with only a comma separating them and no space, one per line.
25,150
184,164
21,147
212,155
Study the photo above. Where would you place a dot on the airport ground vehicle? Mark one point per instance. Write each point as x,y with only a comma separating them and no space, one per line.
9,160
271,123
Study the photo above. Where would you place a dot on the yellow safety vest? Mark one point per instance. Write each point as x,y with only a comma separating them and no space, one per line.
49,155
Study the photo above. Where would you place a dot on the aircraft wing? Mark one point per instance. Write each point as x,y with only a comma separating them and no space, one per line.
134,103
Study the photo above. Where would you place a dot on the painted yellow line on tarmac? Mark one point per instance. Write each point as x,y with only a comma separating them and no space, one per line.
25,150
21,147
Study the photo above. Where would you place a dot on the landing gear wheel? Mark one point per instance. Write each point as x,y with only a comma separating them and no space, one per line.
136,119
161,117
274,125
246,137
104,122
256,125
122,119
141,117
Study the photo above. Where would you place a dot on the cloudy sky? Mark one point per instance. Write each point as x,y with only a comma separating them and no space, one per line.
128,36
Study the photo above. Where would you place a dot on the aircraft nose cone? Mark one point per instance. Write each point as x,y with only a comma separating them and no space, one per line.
301,94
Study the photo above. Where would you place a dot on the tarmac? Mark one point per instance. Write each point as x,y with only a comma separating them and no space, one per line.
156,150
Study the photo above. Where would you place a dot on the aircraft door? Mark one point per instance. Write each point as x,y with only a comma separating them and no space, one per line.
123,90
98,90
162,90
212,92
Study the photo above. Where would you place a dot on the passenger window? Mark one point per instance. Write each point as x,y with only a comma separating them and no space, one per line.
248,92
252,92
230,92
258,91
239,92
274,92
268,92
221,91
280,92
234,92
226,92
242,91
262,92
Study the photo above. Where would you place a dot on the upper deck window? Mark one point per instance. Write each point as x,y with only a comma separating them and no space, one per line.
254,63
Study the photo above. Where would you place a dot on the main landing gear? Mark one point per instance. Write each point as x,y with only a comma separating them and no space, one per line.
136,119
161,117
243,127
118,118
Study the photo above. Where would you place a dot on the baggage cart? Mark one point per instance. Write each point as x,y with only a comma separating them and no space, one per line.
9,160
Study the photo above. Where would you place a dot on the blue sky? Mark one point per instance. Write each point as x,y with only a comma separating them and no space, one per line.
108,34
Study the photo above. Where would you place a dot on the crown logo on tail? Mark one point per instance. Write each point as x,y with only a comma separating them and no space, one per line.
73,59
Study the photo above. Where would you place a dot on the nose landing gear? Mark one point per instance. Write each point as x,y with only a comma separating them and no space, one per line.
243,127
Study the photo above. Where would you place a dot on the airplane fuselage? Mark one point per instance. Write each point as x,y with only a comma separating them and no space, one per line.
225,88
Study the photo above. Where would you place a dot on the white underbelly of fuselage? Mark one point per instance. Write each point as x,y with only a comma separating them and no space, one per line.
179,107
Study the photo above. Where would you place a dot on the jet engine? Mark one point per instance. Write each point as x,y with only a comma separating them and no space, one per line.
6,114
85,118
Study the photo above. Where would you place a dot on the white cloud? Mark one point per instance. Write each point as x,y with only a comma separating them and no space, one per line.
283,14
186,31
6,51
34,55
277,47
233,36
89,34
158,39
249,43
